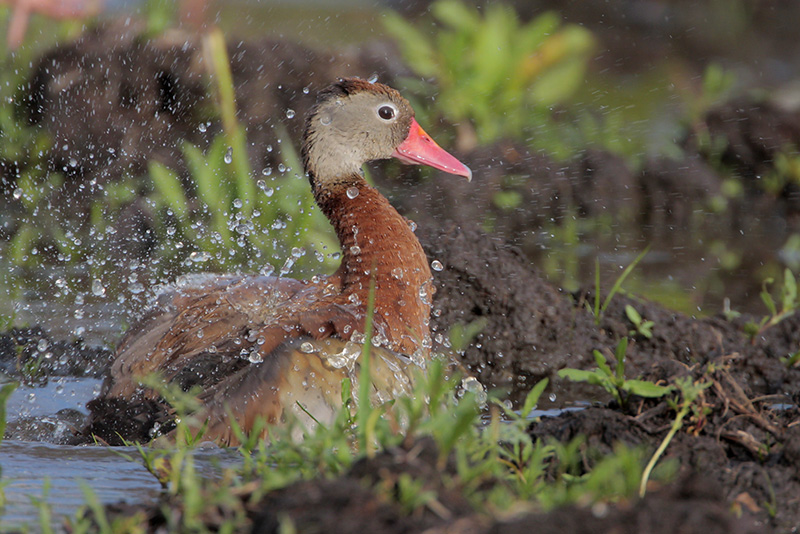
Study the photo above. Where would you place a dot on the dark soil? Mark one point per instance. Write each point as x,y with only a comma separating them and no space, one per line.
360,501
739,455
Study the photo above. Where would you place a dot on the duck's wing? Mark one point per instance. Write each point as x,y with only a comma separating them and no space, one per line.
208,327
301,380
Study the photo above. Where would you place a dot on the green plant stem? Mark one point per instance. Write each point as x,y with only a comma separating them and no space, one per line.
365,379
676,425
619,281
214,45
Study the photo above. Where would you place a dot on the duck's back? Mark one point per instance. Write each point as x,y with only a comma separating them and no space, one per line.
242,341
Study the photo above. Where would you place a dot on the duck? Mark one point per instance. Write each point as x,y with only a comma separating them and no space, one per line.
276,349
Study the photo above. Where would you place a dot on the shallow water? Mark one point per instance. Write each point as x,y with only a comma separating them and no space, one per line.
29,466
58,393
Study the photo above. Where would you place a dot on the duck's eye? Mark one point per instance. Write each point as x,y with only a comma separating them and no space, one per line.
387,113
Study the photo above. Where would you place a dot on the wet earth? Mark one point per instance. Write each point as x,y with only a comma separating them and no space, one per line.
739,457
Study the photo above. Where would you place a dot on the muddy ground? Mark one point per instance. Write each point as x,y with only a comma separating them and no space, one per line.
739,461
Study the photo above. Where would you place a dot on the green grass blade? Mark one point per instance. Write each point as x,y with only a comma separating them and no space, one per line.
5,393
365,376
170,189
621,279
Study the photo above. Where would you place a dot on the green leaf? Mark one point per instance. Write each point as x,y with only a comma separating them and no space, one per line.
600,359
633,315
456,14
789,290
532,399
643,388
579,375
461,335
533,34
465,417
169,187
415,45
5,393
766,298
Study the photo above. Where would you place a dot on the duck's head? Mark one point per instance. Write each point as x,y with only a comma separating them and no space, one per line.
355,121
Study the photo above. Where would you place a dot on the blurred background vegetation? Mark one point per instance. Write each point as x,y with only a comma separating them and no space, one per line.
502,82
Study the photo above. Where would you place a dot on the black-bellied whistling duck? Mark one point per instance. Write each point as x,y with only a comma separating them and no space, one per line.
259,346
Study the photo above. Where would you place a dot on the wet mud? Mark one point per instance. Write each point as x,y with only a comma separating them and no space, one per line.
738,457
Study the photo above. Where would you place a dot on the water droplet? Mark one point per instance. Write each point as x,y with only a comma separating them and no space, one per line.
202,127
228,158
347,357
42,345
397,272
17,193
436,265
281,168
358,337
373,78
98,289
289,113
307,347
306,90
352,192
287,266
255,357
199,256
325,120
552,397
355,250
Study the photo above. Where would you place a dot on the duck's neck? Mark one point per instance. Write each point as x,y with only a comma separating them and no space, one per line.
379,245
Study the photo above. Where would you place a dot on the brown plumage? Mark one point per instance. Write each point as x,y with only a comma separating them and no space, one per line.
258,346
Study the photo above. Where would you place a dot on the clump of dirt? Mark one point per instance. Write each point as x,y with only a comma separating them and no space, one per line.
692,505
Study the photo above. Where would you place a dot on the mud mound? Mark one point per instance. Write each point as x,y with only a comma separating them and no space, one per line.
531,329
115,99
362,500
